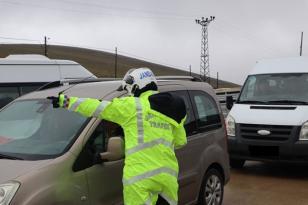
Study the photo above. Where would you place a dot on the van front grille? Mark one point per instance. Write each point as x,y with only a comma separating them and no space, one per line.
277,132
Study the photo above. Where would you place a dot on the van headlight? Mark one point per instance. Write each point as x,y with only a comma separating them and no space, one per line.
230,123
304,132
7,192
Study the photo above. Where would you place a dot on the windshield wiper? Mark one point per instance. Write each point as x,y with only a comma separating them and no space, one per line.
297,102
251,102
4,156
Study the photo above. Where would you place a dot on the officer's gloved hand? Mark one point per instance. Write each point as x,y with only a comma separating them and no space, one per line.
60,101
54,100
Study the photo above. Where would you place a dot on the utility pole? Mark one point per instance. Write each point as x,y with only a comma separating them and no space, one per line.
190,70
116,62
301,46
45,46
217,81
204,64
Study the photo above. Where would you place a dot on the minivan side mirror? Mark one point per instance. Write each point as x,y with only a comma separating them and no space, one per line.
115,149
229,102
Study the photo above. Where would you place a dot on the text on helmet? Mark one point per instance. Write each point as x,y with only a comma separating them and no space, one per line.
146,74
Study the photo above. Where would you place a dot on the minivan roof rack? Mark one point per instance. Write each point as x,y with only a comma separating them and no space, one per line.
90,80
49,85
174,77
73,81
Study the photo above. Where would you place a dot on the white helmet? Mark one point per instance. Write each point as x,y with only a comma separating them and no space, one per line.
137,78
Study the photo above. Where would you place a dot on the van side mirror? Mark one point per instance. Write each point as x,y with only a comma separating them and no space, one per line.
229,102
115,149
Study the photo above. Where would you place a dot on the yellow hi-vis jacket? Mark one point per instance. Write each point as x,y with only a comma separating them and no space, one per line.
151,167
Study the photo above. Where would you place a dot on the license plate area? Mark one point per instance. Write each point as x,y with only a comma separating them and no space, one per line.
264,151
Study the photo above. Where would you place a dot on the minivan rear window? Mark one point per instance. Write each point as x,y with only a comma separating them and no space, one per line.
34,130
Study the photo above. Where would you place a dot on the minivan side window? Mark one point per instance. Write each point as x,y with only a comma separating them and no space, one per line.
207,113
190,123
96,144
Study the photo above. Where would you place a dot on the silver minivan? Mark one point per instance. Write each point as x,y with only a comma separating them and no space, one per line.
53,156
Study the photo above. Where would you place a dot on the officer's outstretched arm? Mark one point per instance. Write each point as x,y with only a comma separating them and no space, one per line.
180,135
117,110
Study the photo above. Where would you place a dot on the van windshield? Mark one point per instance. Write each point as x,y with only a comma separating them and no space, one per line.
289,88
34,130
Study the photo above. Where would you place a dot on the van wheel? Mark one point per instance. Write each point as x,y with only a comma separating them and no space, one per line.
237,163
212,188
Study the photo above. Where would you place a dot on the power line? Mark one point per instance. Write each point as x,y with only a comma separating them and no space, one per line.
83,46
127,54
241,33
239,37
96,5
97,13
151,60
171,16
166,13
19,39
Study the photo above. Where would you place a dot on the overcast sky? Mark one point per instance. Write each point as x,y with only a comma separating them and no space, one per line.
164,31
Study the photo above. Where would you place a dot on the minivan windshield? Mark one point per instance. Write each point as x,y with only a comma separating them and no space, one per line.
34,130
285,89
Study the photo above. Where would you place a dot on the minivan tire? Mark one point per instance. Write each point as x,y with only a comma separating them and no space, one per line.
212,188
237,163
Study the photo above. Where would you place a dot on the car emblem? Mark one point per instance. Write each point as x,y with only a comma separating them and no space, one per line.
264,132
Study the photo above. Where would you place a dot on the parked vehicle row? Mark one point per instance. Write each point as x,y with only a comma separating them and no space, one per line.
48,161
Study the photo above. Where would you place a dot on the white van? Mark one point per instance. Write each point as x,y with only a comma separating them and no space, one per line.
269,120
20,74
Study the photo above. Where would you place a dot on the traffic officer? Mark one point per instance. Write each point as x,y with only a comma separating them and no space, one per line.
153,128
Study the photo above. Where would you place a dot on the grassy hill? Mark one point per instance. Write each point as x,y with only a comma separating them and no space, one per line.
102,64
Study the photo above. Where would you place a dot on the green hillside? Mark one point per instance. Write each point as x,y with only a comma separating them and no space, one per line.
102,64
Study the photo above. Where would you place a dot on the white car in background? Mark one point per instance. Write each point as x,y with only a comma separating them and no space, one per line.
21,74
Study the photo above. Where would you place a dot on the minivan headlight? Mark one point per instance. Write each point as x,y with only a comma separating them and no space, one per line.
230,123
304,132
7,192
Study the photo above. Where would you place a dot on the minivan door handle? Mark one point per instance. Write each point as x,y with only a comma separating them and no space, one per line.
194,132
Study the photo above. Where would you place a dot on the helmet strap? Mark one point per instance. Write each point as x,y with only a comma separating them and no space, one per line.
135,88
150,86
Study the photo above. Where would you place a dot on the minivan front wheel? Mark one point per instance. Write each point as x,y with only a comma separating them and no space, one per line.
212,188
